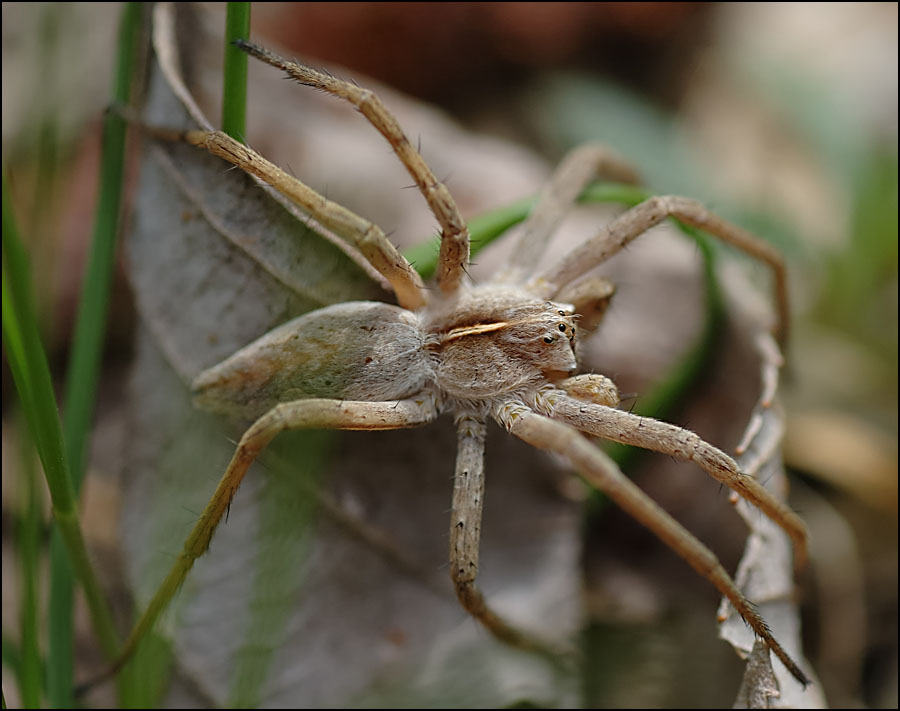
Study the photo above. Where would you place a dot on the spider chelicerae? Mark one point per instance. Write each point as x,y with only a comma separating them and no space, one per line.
504,350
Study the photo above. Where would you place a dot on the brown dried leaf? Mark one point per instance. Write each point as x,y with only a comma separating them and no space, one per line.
765,573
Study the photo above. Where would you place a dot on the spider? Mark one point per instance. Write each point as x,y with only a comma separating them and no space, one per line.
505,350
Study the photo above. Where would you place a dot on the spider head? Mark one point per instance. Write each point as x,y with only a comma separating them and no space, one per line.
545,336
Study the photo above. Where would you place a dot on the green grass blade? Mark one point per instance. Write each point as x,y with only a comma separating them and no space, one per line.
27,360
143,682
28,548
60,631
483,230
31,374
234,91
90,324
84,364
142,645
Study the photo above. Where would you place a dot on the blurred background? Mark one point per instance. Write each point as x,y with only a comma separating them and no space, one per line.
784,114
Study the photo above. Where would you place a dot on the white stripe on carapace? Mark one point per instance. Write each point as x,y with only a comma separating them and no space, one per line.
455,333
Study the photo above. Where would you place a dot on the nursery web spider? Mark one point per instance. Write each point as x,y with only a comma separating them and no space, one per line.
502,350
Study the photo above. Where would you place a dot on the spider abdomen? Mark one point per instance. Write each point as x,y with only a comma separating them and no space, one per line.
354,351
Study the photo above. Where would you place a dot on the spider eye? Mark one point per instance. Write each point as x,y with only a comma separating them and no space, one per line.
547,339
561,313
562,327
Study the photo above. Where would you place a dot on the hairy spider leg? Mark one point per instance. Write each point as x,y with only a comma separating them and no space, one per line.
645,432
366,236
299,414
631,224
465,539
578,168
602,473
454,254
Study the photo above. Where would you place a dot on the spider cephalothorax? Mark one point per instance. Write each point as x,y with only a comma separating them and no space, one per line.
495,340
505,350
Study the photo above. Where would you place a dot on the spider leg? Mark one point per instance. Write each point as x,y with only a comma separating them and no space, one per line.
578,168
628,428
629,225
601,472
366,236
299,414
591,387
465,538
454,254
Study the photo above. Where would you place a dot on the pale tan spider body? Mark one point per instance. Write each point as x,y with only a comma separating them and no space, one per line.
469,353
505,350
354,351
494,341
